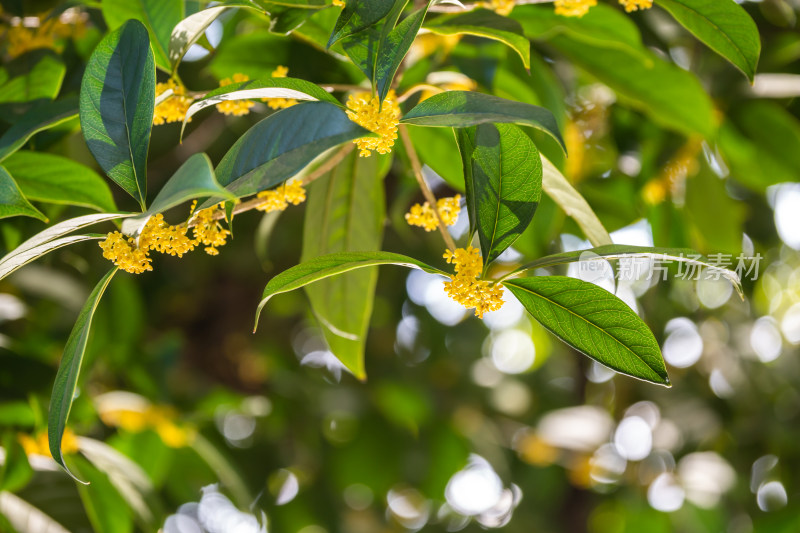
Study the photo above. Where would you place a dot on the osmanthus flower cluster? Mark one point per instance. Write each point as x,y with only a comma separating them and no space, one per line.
466,286
422,215
235,107
32,33
365,109
39,443
578,8
278,199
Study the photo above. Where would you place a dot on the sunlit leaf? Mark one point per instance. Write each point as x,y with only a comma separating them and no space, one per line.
594,322
359,15
158,16
38,118
13,202
188,31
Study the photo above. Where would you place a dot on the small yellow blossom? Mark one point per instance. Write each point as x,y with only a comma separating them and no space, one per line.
366,110
207,230
23,39
574,8
39,444
158,418
501,7
337,3
174,108
465,286
123,252
280,103
164,238
235,107
279,198
634,5
424,217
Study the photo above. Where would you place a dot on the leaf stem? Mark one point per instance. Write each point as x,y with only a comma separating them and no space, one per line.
426,191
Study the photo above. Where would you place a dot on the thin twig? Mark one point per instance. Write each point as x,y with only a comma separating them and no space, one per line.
426,191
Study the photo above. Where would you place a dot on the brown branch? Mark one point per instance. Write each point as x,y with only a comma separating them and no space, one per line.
426,191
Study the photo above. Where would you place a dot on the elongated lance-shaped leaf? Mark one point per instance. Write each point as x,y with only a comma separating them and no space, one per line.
36,76
12,202
194,179
280,146
188,31
43,116
332,264
116,106
724,26
624,251
485,23
359,15
365,47
394,48
506,185
594,322
69,370
20,259
267,88
345,213
158,16
461,109
55,179
564,194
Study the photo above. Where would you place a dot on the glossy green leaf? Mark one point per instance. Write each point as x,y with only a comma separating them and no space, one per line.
673,97
329,265
506,185
488,24
574,205
267,88
280,146
116,106
394,48
69,370
460,109
40,79
594,322
158,16
365,47
359,15
38,118
13,202
623,251
189,31
345,213
55,179
724,26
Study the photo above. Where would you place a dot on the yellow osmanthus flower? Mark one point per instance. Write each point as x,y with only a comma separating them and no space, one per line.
164,238
39,444
207,230
338,3
174,108
278,199
158,418
365,110
466,287
424,217
123,252
280,103
634,5
23,39
501,7
574,8
235,107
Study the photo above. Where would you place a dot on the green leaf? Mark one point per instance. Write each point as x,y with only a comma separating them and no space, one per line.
574,205
105,507
40,78
158,16
279,146
774,129
394,48
38,118
359,15
724,26
506,185
19,258
673,97
594,322
116,106
365,47
55,179
332,264
188,31
15,471
717,226
460,109
266,88
194,179
69,370
488,24
345,213
13,202
621,251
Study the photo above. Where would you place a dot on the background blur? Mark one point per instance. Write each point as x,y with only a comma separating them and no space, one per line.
463,424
